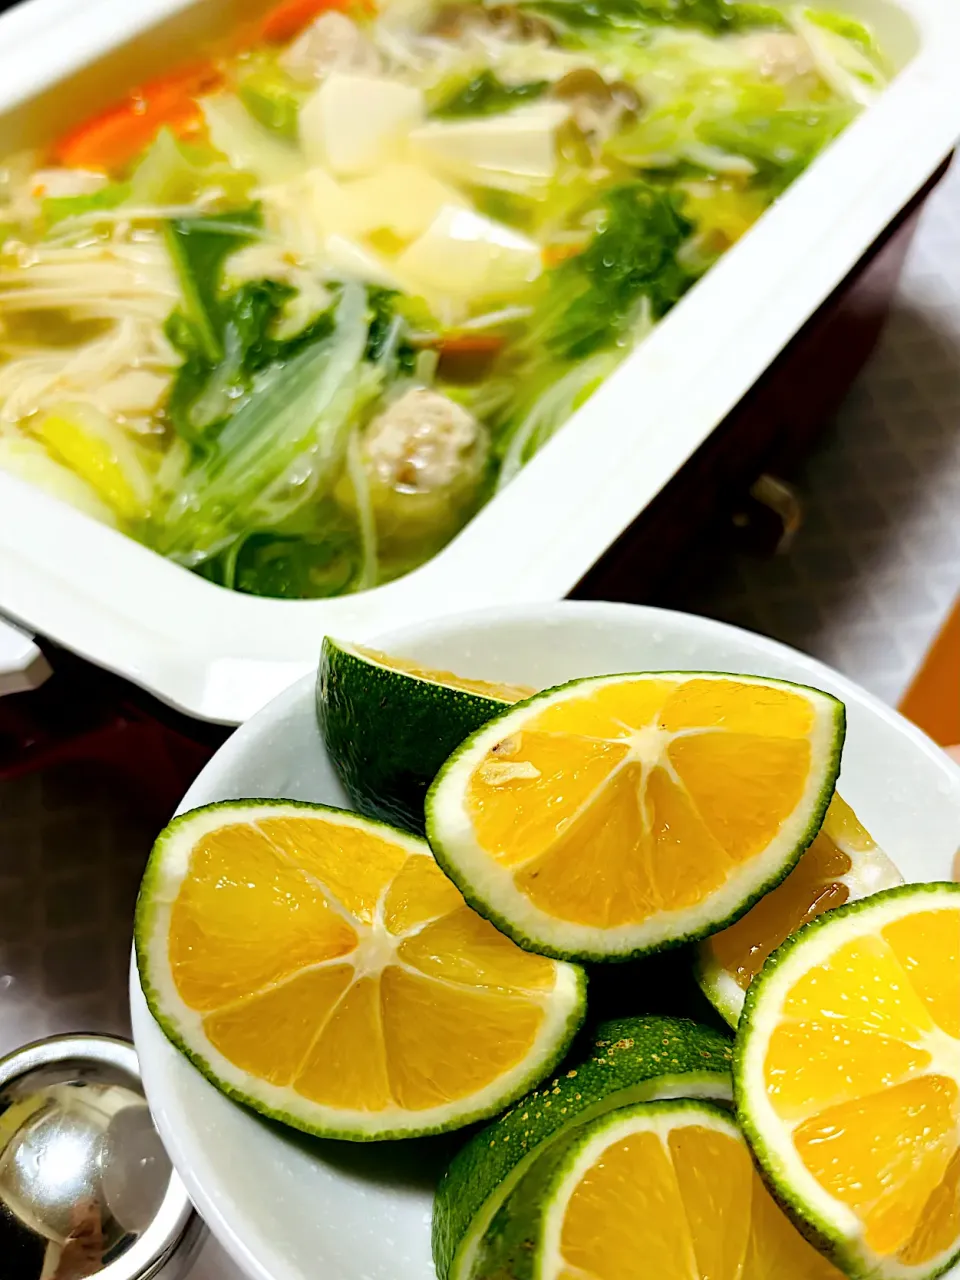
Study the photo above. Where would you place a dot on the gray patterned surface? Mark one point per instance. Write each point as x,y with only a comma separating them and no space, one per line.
867,584
876,566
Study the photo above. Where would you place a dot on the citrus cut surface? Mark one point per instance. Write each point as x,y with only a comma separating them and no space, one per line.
388,725
322,969
843,864
617,815
848,1079
664,1189
494,690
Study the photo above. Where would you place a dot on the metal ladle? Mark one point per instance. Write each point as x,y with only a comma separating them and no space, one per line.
86,1188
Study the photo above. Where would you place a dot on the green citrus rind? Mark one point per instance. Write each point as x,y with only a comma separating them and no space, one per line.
164,872
485,887
816,1214
720,987
388,732
628,1060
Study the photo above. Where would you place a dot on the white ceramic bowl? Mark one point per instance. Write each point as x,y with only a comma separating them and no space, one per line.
291,1208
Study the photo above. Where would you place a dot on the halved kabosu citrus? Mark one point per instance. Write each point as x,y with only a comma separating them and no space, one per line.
389,724
843,864
847,1080
322,969
627,1060
663,1190
617,815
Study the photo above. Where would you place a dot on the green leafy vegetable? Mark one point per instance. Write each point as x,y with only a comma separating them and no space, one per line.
56,208
487,95
780,143
282,448
225,339
844,57
296,568
206,392
198,248
174,172
630,15
388,338
847,28
293,566
272,102
592,298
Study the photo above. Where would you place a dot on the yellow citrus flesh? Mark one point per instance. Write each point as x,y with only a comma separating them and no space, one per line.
685,1206
672,785
327,960
863,1068
485,688
821,880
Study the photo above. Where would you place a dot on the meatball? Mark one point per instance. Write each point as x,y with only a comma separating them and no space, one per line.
425,460
425,443
781,56
331,43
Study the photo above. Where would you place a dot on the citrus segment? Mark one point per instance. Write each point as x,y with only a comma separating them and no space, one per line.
528,790
423,1022
608,712
843,864
939,1224
463,947
772,1250
271,920
687,860
715,1181
291,1010
848,1078
663,1189
927,945
346,1067
418,895
765,709
355,870
885,1155
607,818
600,1238
614,886
807,1064
860,985
323,969
742,785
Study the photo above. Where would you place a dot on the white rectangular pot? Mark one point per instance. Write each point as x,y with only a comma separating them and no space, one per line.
220,655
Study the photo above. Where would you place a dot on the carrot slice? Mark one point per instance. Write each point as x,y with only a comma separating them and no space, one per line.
115,136
289,17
